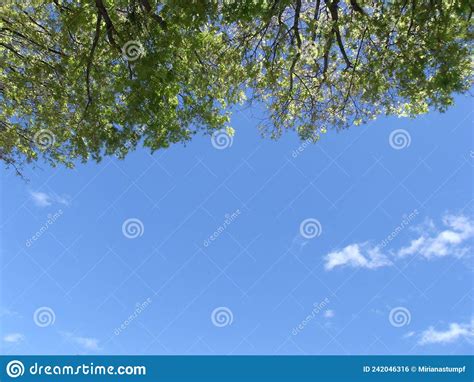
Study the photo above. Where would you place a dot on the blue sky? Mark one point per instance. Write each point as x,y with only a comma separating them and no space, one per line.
360,244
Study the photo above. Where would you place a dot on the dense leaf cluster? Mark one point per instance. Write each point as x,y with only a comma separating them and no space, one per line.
84,79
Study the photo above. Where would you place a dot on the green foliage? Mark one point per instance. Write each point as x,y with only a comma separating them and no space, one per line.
84,79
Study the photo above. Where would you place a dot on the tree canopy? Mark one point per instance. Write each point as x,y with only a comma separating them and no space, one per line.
84,79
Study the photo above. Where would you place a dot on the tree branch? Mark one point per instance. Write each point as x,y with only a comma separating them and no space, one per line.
108,22
91,59
334,9
298,40
147,7
357,7
315,18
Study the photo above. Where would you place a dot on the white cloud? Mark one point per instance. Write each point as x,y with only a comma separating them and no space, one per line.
42,199
454,333
329,313
357,256
439,243
87,343
14,338
432,243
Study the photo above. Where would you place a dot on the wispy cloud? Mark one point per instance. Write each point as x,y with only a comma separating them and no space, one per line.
455,332
87,343
42,199
5,312
357,256
438,243
431,243
14,338
329,313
